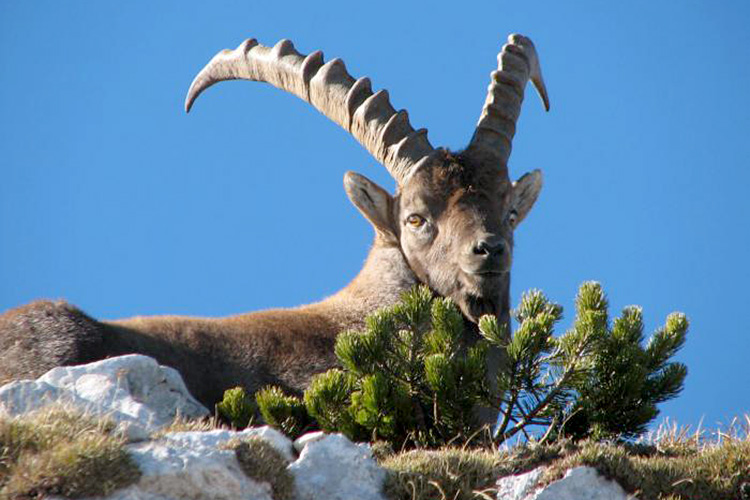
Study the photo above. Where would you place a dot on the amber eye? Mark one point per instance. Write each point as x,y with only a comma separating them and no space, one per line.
415,220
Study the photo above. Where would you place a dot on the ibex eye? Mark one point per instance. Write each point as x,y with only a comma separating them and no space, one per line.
415,220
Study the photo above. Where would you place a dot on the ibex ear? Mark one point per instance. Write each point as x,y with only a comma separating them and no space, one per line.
372,201
525,192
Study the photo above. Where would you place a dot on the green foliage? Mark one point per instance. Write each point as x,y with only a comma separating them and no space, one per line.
328,400
536,383
624,381
237,407
595,380
409,378
434,382
283,412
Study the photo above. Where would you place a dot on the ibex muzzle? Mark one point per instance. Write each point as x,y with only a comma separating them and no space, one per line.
449,225
488,256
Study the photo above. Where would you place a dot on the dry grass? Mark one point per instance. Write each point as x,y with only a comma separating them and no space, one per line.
451,473
182,424
716,472
461,473
60,452
672,464
261,462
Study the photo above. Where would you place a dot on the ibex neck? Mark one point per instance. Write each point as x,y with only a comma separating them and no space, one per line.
383,278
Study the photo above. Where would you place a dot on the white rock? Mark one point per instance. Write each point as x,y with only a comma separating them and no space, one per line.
518,487
134,391
580,483
276,439
305,439
334,468
195,465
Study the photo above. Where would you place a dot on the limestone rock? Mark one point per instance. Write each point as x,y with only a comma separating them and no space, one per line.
519,487
142,396
200,465
136,392
197,465
275,438
334,468
305,439
580,483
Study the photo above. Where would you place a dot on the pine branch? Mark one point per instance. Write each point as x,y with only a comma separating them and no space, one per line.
539,407
511,403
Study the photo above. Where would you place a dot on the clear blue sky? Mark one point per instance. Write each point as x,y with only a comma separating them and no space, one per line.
113,198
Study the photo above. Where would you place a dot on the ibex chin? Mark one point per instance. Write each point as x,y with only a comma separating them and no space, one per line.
449,225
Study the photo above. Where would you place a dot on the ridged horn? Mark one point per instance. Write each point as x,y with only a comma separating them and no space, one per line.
368,116
517,64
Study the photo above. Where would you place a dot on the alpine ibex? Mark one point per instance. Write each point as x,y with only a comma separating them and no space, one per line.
450,225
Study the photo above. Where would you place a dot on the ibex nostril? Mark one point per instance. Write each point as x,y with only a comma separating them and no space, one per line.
486,248
481,249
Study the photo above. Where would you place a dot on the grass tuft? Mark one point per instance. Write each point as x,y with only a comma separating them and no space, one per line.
450,473
60,452
88,466
183,424
715,471
261,462
673,464
381,450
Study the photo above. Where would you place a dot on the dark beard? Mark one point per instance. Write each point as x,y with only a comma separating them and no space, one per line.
476,298
474,307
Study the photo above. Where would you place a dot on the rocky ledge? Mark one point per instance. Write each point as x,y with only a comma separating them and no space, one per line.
142,398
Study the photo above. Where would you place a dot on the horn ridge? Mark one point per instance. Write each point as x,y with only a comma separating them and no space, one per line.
310,66
518,63
328,86
357,95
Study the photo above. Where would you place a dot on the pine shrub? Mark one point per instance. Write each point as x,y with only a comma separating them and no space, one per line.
283,412
624,381
410,379
237,407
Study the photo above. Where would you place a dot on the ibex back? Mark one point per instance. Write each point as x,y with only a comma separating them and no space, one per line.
449,225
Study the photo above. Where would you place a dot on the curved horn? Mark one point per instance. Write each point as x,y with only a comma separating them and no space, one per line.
517,64
368,116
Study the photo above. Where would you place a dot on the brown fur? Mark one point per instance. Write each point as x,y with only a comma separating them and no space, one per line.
283,347
44,334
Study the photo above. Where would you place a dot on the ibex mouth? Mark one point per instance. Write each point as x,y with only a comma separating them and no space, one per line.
480,293
484,272
490,272
475,307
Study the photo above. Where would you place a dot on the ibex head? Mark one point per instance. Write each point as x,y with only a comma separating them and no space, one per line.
453,214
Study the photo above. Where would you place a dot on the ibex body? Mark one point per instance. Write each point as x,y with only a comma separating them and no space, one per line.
449,225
